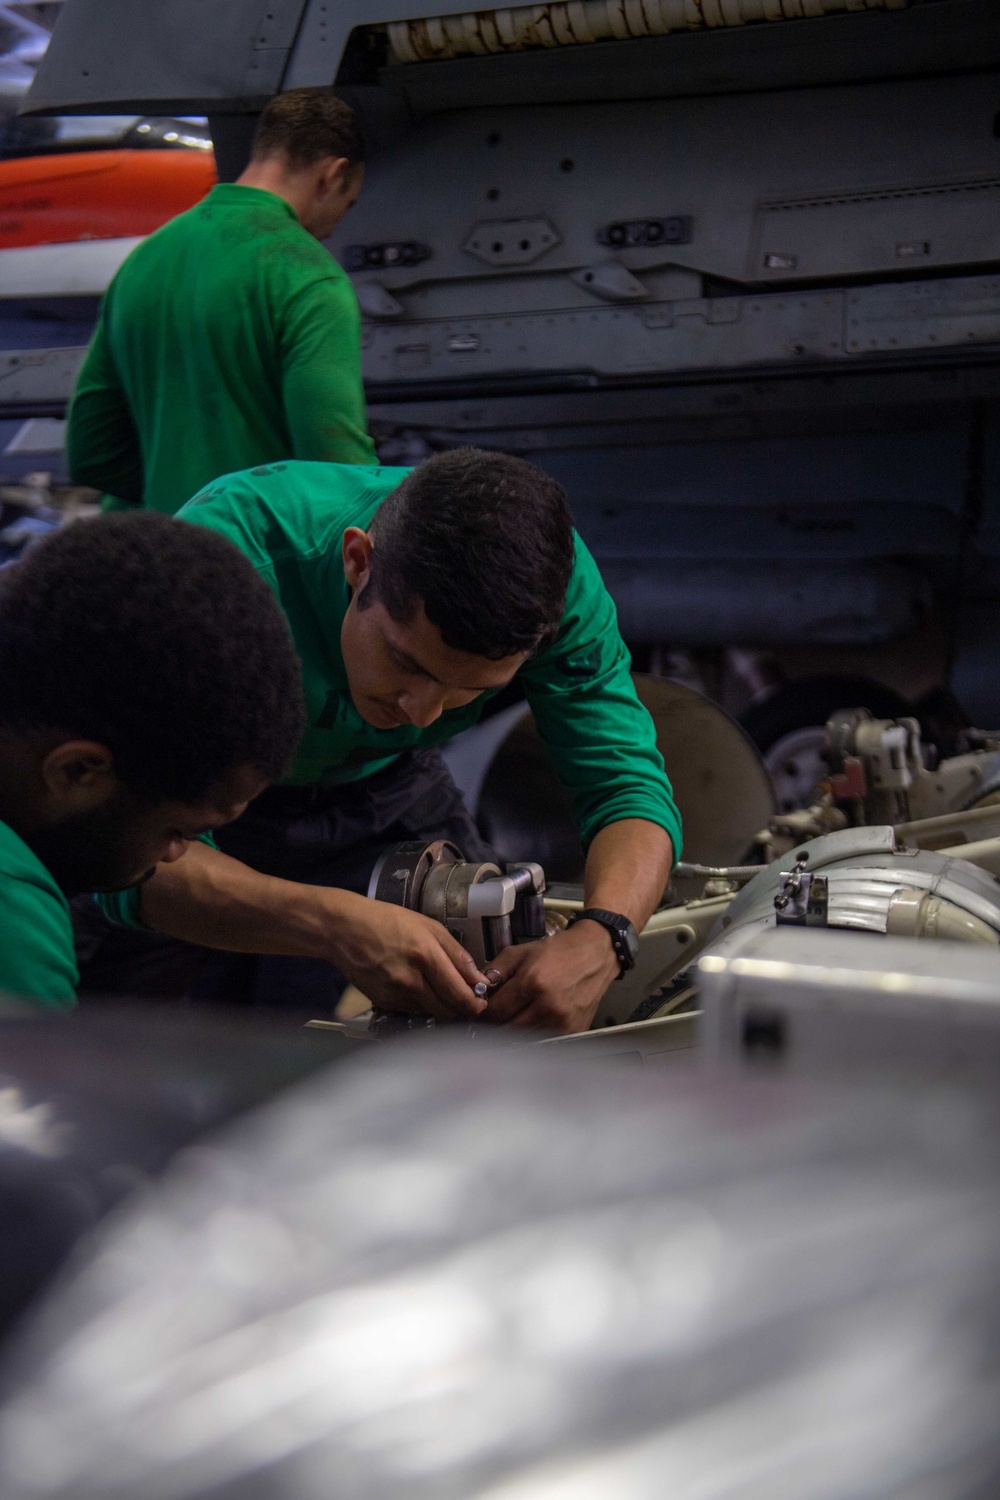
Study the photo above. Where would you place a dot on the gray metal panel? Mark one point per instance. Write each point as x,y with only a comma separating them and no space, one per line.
941,37
850,401
170,55
38,376
909,177
584,415
320,45
934,224
891,469
660,528
767,603
188,53
832,1000
803,328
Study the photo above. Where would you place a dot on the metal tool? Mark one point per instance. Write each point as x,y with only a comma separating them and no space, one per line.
485,908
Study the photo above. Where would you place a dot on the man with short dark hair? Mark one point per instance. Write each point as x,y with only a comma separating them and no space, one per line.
413,596
149,689
230,338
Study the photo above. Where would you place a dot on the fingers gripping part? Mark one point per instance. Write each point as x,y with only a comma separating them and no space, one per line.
483,909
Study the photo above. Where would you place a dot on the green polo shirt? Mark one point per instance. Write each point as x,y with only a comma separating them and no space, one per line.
289,519
228,338
37,961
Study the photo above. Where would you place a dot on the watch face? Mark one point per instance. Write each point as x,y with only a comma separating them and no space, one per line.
631,941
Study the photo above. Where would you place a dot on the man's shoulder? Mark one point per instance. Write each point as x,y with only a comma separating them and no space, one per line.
304,501
151,263
266,229
19,864
165,239
258,231
36,930
588,642
585,583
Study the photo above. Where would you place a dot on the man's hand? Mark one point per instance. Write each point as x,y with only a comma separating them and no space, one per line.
406,962
399,959
554,984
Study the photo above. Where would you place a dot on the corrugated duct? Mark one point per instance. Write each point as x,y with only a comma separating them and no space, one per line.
574,23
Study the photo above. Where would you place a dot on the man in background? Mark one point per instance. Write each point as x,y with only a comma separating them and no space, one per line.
230,338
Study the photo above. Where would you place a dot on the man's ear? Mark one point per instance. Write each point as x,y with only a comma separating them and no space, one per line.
335,176
356,549
77,775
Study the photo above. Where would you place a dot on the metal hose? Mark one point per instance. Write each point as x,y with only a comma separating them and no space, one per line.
718,872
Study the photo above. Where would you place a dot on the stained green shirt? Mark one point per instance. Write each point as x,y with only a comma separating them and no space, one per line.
37,961
228,338
289,519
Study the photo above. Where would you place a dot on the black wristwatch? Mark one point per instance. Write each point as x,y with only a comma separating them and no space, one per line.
623,935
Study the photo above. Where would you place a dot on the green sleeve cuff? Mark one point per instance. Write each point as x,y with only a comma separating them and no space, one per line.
616,810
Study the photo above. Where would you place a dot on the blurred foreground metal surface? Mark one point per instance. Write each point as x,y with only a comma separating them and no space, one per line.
94,1106
465,1273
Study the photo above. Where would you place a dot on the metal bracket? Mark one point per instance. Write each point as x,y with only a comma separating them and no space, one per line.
512,242
629,234
611,281
803,899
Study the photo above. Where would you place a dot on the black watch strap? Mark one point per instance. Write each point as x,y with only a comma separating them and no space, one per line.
624,938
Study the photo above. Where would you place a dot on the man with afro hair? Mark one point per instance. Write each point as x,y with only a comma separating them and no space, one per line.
149,690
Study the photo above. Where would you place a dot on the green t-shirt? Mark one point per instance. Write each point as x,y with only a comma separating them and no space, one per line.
37,961
228,338
289,520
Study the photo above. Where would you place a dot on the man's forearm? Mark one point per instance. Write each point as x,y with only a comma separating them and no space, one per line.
400,959
557,984
628,866
208,898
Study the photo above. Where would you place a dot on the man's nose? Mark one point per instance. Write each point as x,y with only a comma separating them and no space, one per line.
422,707
175,849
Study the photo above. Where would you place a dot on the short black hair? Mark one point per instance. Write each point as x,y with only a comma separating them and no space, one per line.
158,639
485,542
305,125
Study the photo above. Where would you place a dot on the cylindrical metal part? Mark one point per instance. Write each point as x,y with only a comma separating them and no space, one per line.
919,914
500,935
873,886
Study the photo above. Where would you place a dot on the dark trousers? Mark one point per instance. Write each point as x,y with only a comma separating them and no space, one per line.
317,836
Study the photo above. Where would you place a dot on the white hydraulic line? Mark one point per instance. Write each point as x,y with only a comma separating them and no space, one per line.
985,853
739,873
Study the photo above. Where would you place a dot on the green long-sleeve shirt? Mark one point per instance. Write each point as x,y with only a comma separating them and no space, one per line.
290,518
229,338
37,961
